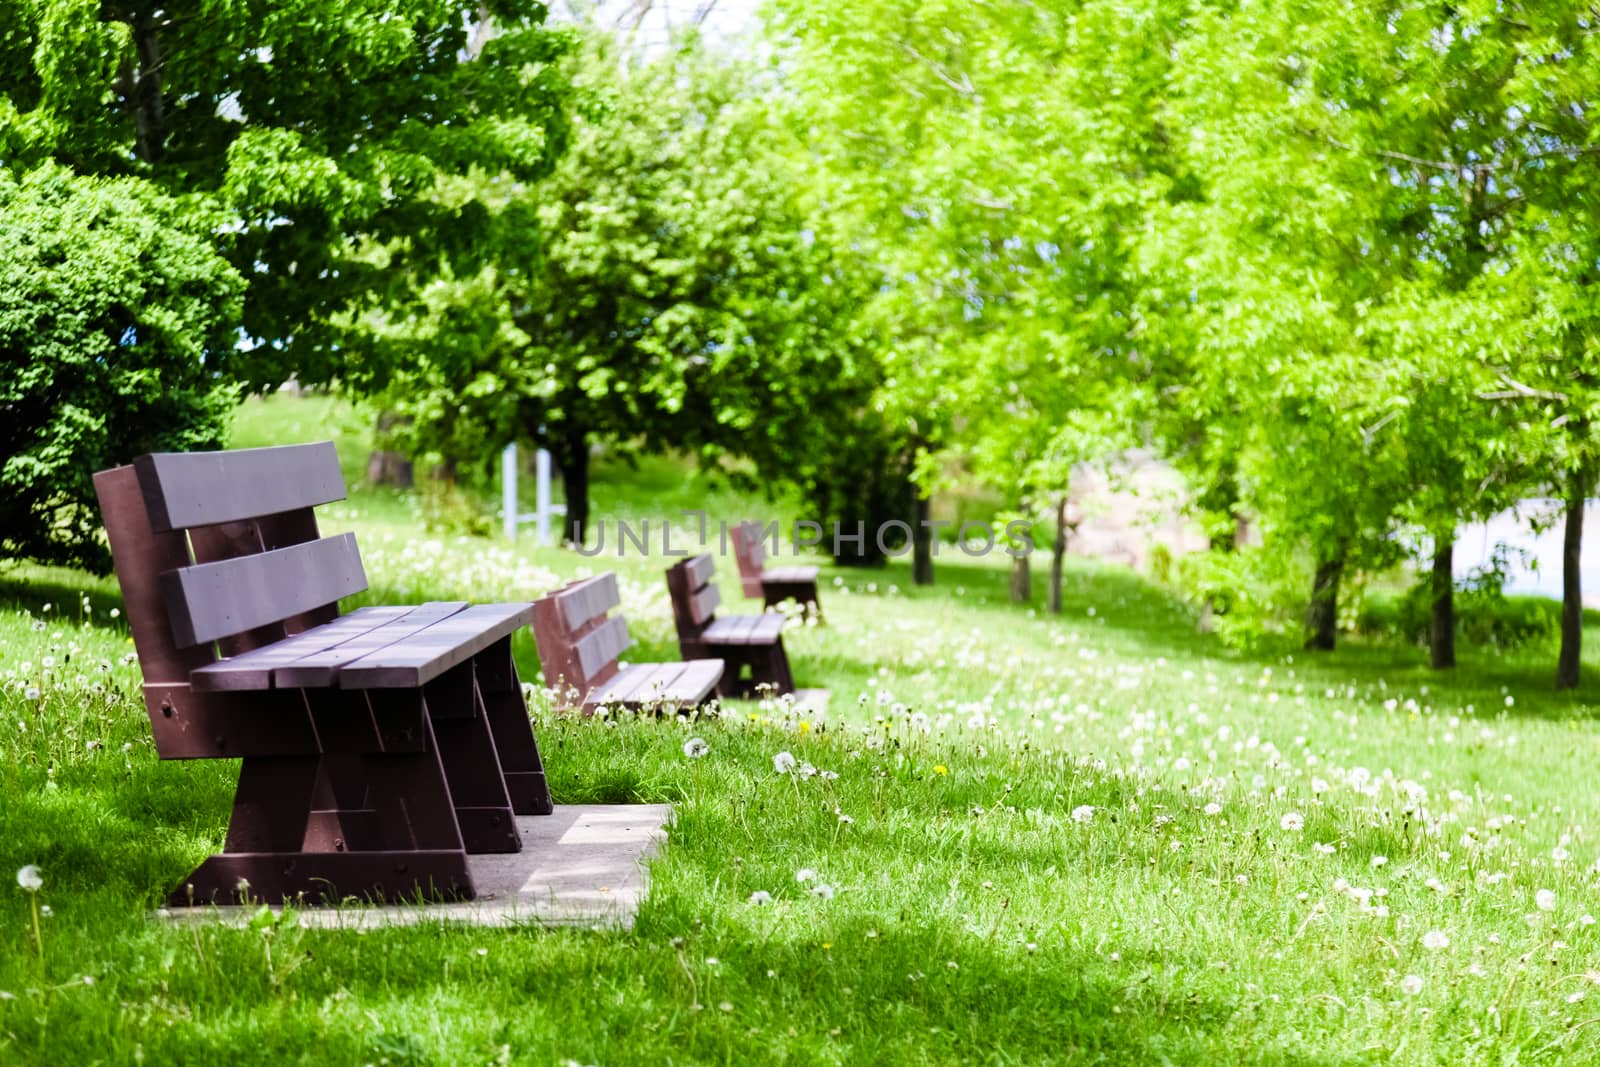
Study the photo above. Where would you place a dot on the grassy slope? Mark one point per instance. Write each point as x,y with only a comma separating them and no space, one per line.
976,918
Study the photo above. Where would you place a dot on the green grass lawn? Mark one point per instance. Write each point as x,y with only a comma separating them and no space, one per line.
1098,838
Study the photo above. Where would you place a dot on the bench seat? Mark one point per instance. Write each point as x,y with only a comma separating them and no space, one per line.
651,685
788,575
743,630
370,648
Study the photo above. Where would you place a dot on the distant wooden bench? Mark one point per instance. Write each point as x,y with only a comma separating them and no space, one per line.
379,748
579,647
772,585
750,645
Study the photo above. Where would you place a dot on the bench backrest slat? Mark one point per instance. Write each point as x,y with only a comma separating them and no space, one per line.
703,605
588,599
208,601
694,600
601,646
700,569
186,489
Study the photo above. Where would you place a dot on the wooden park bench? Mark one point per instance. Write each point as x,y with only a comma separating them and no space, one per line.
772,585
579,647
379,748
750,645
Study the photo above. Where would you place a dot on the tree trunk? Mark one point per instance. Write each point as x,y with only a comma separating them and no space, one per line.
1058,554
921,538
1021,580
572,455
140,89
385,466
390,469
1569,659
1322,615
1442,626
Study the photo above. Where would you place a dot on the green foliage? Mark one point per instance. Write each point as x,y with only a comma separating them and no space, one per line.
114,313
354,145
681,297
990,165
1485,618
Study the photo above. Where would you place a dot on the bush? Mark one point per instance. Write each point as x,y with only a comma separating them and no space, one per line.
1485,616
114,313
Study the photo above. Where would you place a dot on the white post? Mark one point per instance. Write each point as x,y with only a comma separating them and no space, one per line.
541,508
508,491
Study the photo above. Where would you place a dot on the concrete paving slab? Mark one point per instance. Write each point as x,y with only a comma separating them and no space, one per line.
582,866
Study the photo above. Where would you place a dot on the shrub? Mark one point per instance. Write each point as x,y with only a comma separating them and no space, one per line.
1485,616
114,313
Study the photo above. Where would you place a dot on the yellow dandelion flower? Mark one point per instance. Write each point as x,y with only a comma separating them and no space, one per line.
941,770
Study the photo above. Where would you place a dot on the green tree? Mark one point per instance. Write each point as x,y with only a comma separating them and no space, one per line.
680,298
114,311
357,145
1349,211
991,164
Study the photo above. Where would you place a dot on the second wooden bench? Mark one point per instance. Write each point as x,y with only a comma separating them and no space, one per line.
751,645
579,647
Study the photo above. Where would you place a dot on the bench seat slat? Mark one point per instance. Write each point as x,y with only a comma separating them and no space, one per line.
744,630
646,684
319,669
632,679
789,574
430,652
185,489
232,596
253,670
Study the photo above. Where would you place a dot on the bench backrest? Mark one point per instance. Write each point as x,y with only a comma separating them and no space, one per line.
694,600
218,552
578,644
750,553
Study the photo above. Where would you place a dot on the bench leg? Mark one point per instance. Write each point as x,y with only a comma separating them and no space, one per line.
501,692
278,851
776,670
272,804
472,766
